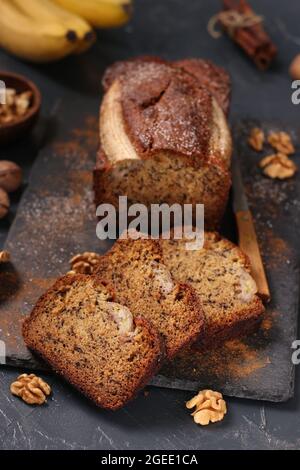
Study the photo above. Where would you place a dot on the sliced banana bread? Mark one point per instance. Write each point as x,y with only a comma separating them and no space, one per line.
144,284
220,274
92,341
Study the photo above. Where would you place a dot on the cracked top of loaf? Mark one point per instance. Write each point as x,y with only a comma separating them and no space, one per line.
215,79
165,109
171,107
209,75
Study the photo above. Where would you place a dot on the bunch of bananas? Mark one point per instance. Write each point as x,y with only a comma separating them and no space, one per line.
47,30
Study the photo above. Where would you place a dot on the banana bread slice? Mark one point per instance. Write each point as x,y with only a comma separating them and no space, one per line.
92,341
220,274
144,284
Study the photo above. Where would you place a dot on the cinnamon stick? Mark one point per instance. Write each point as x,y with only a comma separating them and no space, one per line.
245,27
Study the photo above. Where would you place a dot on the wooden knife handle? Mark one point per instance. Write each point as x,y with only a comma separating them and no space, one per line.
249,245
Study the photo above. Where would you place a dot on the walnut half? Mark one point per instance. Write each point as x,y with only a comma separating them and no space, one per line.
32,389
256,139
278,166
281,142
209,407
84,263
16,105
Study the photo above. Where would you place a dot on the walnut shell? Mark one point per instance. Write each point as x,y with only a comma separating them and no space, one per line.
10,176
295,68
4,203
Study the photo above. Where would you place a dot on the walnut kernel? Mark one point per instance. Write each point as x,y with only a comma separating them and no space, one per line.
16,105
278,166
10,176
84,263
209,407
282,142
10,96
22,102
32,389
256,139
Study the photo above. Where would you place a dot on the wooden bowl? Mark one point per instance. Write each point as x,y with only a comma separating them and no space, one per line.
12,131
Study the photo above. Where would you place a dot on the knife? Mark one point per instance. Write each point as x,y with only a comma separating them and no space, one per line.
246,232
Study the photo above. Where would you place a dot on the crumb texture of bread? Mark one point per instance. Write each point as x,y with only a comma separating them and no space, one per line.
145,180
220,274
143,283
92,341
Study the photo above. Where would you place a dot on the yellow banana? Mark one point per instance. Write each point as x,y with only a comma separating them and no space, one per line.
47,11
100,13
29,40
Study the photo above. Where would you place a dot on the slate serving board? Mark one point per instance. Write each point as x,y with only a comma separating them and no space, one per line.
258,367
56,219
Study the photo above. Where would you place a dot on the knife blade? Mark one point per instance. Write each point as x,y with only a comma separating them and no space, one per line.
246,231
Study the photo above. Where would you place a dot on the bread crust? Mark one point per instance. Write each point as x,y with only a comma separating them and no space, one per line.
165,109
212,77
119,68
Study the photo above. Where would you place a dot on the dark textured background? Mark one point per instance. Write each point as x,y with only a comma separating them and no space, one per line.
172,28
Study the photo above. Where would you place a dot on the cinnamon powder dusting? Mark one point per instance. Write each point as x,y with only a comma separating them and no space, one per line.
267,323
89,132
234,360
241,359
69,147
83,142
276,251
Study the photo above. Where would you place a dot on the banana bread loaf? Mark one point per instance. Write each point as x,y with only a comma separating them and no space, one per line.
144,284
220,274
164,137
92,341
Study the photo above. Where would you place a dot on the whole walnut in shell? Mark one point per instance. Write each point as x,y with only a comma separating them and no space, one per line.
10,176
295,68
4,203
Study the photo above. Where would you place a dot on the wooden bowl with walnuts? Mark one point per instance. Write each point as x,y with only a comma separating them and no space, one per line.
20,103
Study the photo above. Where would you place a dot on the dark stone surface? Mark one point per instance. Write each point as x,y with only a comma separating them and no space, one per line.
173,28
